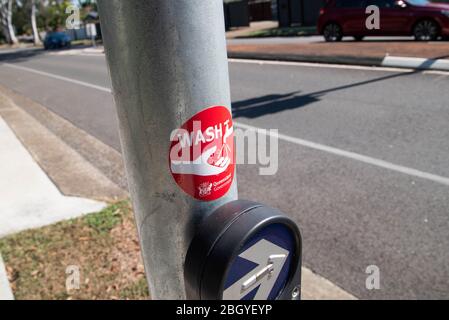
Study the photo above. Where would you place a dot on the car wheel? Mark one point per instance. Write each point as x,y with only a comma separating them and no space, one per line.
332,32
358,38
426,30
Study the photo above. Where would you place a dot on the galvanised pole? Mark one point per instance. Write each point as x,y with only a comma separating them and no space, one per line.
168,61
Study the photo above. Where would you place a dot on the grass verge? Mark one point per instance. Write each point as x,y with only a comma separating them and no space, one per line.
102,246
282,32
85,42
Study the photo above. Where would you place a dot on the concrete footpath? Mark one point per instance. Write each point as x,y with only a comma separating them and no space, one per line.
399,54
29,197
5,289
46,179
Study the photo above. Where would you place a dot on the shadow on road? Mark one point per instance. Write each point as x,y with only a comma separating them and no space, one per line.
273,103
20,55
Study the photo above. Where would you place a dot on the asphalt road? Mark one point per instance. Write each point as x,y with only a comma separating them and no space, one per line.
386,203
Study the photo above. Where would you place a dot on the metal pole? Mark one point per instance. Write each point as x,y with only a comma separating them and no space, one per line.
168,61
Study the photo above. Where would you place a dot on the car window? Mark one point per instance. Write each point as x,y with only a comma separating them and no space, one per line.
349,3
382,3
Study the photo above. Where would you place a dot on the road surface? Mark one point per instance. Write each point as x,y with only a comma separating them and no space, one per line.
363,158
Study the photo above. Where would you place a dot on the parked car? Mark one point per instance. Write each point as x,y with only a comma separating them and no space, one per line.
422,19
55,40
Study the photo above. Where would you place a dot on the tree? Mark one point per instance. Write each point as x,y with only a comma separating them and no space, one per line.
36,37
6,21
88,5
52,13
21,17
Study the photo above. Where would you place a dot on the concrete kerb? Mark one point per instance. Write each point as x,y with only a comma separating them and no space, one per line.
388,61
416,63
305,58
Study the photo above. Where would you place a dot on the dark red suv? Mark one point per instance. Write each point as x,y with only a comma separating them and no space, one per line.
421,18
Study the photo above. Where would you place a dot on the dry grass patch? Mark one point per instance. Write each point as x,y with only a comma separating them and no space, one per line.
104,246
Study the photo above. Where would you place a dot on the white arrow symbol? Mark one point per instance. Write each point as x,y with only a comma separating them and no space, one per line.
270,259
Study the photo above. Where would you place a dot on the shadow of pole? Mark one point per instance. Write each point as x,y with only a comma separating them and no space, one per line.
273,103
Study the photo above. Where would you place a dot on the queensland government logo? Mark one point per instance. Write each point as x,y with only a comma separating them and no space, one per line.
205,189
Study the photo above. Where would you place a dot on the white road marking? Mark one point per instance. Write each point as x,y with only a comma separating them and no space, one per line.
54,76
304,143
353,156
437,72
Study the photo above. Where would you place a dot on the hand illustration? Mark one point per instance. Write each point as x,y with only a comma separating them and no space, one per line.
201,166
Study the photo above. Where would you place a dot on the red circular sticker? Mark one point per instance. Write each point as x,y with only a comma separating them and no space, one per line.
202,154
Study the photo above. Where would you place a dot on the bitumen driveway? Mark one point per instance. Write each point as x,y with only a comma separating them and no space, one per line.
363,158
